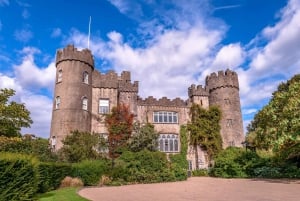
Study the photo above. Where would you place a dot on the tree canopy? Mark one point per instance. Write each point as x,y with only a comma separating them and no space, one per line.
13,115
119,125
204,130
276,126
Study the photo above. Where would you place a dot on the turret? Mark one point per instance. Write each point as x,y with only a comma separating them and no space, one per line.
199,95
73,93
224,92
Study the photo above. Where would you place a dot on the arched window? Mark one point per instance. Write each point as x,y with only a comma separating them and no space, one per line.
57,102
168,143
59,76
84,103
85,78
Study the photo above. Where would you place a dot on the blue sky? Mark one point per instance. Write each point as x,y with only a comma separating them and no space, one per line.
172,43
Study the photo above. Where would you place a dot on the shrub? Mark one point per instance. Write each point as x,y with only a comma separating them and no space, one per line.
71,182
200,173
90,171
51,175
18,177
179,166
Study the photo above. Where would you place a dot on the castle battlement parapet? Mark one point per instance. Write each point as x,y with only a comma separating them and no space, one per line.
198,90
71,53
222,79
164,101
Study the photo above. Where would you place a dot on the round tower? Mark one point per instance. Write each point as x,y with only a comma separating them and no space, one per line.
72,103
224,92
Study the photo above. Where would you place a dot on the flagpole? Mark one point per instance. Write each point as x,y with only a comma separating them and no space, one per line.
89,32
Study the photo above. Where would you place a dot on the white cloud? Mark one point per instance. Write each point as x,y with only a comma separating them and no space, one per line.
23,35
25,14
56,33
4,2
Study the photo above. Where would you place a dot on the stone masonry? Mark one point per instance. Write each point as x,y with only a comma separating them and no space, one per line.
83,95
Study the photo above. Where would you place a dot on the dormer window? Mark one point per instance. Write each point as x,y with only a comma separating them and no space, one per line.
85,103
85,78
59,76
57,102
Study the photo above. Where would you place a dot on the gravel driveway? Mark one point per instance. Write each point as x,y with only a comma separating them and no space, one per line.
200,188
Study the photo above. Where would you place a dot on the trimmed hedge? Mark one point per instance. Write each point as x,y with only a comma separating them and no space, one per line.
90,171
51,174
18,177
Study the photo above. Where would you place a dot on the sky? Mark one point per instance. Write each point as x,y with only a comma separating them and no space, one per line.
166,44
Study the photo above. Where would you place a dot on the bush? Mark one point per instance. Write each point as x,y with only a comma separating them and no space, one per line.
200,173
236,162
71,182
18,177
142,167
90,171
51,175
179,166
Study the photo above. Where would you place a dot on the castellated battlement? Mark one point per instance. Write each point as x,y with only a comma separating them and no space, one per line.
71,53
112,80
164,101
222,79
198,90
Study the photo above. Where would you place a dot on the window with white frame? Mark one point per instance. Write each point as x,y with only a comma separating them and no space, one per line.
59,76
165,117
168,143
57,102
85,103
103,106
85,78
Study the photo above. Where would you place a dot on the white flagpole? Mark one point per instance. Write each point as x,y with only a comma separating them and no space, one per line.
89,32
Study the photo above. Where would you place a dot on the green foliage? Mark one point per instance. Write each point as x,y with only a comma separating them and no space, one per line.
276,126
204,130
80,146
18,177
90,171
51,175
179,163
200,173
236,162
64,194
37,147
144,137
119,124
13,115
142,167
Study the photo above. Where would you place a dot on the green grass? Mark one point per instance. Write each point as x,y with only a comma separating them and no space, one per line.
64,194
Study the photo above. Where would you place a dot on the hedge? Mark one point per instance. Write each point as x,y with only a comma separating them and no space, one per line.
18,177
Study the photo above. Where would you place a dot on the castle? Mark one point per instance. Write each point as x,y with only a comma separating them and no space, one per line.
83,95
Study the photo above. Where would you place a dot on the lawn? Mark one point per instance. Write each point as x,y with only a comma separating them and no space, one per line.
64,194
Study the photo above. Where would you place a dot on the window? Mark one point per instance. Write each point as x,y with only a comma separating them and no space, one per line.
57,102
165,117
59,76
229,123
85,77
168,143
103,106
85,103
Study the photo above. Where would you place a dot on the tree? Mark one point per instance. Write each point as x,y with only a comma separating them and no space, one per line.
80,146
119,124
276,127
144,137
13,115
204,130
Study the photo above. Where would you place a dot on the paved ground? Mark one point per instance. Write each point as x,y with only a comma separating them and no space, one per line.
201,188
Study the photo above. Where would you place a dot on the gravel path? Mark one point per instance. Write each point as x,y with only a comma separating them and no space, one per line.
200,188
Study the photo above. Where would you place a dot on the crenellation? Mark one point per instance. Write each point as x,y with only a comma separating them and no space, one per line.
164,101
198,90
71,53
222,79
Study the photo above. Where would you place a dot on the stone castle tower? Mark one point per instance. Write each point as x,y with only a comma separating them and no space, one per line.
83,96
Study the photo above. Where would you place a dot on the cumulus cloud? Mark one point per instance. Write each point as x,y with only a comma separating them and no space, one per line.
56,33
27,79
